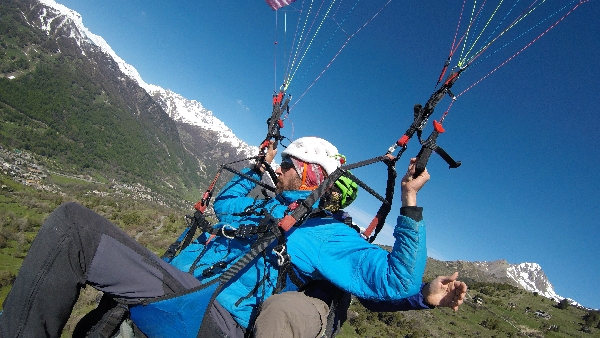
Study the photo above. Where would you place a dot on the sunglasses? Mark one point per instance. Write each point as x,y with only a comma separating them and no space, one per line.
286,163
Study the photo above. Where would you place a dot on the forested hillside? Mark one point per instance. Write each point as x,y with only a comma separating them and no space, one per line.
79,111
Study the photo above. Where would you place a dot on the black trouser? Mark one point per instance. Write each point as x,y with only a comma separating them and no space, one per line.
76,246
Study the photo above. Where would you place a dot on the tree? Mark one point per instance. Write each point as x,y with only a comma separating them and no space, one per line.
592,318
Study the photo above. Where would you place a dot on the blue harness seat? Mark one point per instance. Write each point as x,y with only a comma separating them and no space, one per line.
175,316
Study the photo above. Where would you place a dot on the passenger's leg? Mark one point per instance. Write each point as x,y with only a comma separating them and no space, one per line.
291,314
76,246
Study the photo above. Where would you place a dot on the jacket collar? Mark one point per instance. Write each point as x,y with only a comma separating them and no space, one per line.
289,196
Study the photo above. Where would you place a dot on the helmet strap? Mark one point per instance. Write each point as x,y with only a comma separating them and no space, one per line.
303,186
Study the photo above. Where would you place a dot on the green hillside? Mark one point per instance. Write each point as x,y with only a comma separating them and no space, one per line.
80,112
491,310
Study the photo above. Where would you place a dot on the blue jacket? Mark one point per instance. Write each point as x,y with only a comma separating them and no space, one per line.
321,248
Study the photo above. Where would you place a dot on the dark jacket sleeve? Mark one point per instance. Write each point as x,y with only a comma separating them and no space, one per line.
416,302
415,213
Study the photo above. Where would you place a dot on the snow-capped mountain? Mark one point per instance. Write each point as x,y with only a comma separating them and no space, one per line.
531,277
193,113
528,276
82,35
179,108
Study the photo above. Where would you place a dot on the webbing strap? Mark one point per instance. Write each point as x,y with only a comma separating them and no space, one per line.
257,247
103,321
286,268
115,317
335,318
379,219
367,188
250,178
198,221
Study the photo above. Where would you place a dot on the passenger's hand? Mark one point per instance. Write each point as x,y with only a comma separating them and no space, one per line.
445,291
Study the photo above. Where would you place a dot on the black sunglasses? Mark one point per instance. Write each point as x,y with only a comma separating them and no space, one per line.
286,163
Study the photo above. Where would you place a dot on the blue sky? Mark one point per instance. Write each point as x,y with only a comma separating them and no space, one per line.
527,135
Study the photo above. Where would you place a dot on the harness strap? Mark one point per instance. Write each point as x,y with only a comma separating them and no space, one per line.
379,219
103,321
257,247
286,268
250,178
198,221
304,209
335,318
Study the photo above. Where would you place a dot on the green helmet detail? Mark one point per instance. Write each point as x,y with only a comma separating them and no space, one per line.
349,190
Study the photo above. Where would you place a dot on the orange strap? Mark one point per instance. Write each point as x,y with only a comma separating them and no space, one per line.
303,185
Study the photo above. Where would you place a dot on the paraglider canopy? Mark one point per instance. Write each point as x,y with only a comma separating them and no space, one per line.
276,4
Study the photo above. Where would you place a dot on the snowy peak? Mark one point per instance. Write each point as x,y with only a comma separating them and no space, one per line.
531,277
528,276
56,17
193,113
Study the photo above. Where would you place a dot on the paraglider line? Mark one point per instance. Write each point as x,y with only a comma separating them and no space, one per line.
318,55
339,51
514,23
522,49
522,34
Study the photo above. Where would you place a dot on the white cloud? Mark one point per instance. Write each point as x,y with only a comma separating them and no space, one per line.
241,104
435,255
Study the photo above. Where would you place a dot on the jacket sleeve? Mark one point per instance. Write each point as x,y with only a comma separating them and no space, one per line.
415,302
334,252
232,198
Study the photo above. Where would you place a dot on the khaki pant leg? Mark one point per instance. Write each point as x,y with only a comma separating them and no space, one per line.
291,314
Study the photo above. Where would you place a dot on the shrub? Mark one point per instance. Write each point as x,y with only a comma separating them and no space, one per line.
3,241
360,330
132,218
592,318
490,323
564,304
7,278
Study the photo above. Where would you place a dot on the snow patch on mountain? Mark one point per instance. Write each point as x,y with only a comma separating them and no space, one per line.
82,35
193,113
532,278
